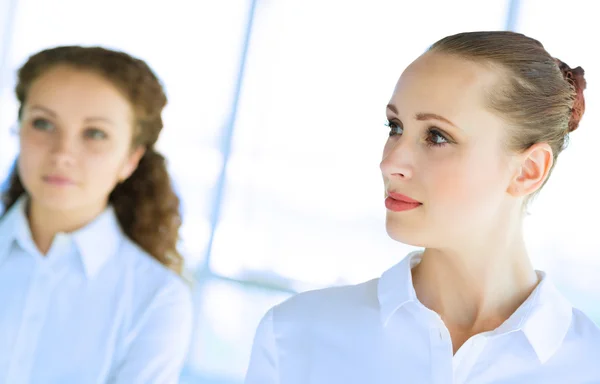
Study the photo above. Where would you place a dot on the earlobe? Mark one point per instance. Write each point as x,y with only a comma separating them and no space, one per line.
534,166
131,164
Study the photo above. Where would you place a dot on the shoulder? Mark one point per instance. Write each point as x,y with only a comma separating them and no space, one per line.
584,331
150,282
329,304
157,322
145,268
581,348
309,320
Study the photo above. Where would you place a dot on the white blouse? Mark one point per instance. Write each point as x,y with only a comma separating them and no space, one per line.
379,333
95,309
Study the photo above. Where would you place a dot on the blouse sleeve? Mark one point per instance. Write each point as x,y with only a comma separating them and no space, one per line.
263,367
158,345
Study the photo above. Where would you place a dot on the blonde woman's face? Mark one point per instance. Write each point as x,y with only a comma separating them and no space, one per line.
445,151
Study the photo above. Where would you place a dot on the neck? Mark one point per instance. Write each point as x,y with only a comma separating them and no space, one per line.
45,222
476,288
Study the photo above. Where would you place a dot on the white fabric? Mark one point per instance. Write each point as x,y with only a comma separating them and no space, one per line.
95,309
379,333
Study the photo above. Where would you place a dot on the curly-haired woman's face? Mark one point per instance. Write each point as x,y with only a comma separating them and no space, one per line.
76,135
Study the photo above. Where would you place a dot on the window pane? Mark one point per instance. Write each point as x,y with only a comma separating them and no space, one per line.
194,48
227,316
565,217
304,195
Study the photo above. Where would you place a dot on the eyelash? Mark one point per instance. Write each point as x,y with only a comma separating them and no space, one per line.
35,123
431,132
90,133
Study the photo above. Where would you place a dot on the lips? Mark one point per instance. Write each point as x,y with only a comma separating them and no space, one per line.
398,202
402,198
58,180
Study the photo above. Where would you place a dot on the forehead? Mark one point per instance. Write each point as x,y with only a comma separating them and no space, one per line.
76,92
446,85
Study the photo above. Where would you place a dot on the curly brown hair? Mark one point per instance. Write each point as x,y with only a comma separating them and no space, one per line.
145,204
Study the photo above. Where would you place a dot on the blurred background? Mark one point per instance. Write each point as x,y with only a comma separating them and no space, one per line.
274,134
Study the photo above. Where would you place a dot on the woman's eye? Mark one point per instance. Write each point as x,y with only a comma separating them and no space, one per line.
42,124
436,138
95,134
395,129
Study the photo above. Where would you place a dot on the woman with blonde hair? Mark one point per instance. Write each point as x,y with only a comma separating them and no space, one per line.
475,128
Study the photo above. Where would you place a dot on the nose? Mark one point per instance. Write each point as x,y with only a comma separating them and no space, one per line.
64,149
398,159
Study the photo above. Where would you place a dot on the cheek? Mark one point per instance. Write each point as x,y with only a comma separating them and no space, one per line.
102,169
451,184
31,145
32,155
467,183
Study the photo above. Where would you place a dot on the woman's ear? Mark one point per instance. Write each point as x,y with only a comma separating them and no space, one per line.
131,163
532,170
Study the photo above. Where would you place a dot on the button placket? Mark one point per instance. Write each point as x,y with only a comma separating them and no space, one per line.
32,322
469,357
441,353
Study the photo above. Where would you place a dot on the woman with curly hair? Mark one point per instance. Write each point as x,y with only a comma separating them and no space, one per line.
89,270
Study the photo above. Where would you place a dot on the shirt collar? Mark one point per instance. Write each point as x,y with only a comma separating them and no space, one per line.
544,318
12,224
395,287
96,243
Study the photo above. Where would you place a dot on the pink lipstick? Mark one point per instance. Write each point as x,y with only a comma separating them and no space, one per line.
398,203
59,181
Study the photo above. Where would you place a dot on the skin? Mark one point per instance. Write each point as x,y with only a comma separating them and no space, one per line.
77,126
475,270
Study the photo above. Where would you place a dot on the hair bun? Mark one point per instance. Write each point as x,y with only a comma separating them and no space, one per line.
575,77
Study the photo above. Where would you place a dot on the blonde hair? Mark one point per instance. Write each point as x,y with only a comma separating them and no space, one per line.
540,96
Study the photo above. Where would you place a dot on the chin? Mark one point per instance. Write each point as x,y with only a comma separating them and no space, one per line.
56,201
59,205
405,232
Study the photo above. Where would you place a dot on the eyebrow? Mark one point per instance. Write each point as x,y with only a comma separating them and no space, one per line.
424,116
433,116
53,114
43,109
